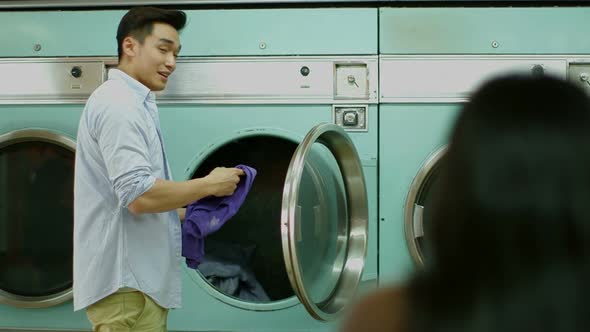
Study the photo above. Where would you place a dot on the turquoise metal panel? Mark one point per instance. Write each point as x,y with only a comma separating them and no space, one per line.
284,32
59,118
366,144
59,317
59,33
202,125
474,30
408,135
208,32
370,274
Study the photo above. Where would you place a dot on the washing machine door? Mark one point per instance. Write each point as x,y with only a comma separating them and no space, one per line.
36,218
419,205
324,219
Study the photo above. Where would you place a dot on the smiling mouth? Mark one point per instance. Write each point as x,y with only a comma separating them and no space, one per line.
164,76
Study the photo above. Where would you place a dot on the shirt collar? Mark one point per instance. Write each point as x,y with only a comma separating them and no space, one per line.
142,90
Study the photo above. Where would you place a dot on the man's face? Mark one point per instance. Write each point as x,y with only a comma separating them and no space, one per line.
155,60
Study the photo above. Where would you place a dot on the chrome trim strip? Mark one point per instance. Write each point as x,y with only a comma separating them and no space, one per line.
451,78
29,135
207,80
34,81
36,135
269,80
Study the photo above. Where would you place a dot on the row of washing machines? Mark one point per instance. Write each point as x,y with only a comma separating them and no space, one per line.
344,112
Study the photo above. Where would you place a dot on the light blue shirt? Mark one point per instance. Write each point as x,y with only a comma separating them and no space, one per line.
119,155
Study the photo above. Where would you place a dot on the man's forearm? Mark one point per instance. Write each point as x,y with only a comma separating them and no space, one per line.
169,195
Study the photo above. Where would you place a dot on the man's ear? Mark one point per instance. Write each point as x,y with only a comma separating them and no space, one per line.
130,46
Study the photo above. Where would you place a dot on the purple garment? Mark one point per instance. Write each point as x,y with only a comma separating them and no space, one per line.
208,214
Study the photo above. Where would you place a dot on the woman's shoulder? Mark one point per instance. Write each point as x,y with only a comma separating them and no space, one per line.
382,310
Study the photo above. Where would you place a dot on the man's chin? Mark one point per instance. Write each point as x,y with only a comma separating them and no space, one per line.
158,87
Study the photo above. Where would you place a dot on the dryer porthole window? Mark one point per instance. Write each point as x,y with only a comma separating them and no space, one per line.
36,215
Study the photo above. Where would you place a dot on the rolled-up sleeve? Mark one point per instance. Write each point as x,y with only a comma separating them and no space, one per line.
124,144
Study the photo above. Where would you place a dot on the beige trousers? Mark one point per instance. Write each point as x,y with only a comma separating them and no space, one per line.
127,311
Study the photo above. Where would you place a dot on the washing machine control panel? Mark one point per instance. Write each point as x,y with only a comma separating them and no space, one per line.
54,80
428,79
352,81
275,80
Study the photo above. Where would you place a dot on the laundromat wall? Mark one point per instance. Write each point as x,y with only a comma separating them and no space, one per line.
403,132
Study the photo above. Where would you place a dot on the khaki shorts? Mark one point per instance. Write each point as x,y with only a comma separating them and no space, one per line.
127,311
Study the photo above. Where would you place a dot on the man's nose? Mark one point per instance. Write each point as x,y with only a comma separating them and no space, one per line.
171,62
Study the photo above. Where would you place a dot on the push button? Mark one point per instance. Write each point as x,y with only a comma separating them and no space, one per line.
350,118
76,72
304,70
538,71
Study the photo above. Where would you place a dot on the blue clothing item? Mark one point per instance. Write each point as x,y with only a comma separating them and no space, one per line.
118,158
207,215
227,267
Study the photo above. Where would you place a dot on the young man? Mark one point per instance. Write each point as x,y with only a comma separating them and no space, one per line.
127,235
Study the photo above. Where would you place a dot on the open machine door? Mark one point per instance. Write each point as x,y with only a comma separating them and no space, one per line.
324,220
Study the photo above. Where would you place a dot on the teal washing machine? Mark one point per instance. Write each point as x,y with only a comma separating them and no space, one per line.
423,83
297,244
255,98
40,105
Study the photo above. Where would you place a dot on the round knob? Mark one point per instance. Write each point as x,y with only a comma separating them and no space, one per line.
304,70
537,71
76,72
349,117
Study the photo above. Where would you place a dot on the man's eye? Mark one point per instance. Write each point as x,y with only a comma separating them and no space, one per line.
163,50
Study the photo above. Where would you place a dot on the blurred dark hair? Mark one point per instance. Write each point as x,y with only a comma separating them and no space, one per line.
139,23
508,240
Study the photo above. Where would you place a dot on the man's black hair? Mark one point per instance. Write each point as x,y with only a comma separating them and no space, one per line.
139,23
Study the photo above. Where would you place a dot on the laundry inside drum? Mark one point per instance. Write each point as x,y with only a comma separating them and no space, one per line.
244,258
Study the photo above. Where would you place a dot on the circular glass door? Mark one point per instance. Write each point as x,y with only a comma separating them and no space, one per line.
324,221
418,205
36,218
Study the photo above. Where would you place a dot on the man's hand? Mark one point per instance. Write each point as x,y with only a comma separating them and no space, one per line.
223,181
